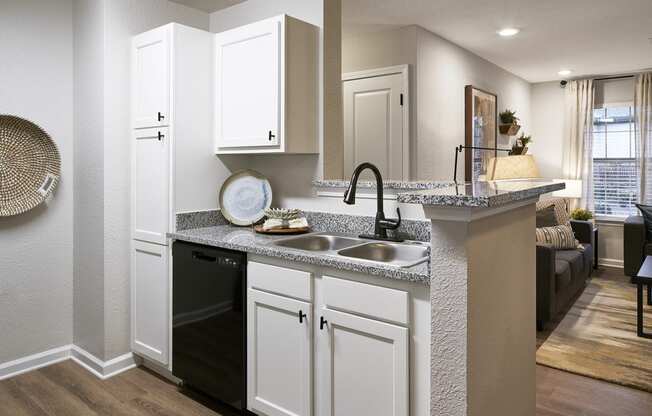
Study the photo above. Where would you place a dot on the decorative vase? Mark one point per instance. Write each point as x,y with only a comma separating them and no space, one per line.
509,129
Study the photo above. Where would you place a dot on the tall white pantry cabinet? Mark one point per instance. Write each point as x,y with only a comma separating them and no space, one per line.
172,150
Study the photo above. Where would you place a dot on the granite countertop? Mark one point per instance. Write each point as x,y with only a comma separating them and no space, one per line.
245,239
481,194
387,184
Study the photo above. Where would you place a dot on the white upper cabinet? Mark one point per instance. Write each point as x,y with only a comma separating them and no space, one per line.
151,78
150,186
266,88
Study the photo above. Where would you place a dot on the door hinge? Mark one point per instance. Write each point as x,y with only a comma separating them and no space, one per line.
401,98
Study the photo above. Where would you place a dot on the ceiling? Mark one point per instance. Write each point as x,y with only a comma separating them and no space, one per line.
209,6
590,37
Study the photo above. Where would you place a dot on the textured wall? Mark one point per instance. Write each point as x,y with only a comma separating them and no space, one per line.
36,77
88,321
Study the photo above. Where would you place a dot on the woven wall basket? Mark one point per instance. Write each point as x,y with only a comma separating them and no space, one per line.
30,165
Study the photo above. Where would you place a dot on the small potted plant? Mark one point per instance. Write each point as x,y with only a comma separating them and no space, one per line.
581,214
520,145
508,123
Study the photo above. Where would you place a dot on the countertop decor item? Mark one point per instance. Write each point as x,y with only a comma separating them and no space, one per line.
283,213
30,165
244,197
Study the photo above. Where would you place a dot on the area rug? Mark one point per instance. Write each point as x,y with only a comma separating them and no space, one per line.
597,337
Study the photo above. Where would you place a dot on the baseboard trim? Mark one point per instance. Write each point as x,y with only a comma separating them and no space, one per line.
615,263
101,369
34,362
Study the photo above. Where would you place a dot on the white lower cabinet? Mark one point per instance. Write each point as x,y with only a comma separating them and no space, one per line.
361,365
364,366
279,355
150,301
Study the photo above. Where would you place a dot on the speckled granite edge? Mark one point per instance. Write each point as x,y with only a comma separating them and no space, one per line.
387,184
447,196
199,219
244,239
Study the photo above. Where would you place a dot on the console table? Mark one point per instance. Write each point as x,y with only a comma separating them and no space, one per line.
644,277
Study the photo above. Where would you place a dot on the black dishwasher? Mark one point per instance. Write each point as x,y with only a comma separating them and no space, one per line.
209,321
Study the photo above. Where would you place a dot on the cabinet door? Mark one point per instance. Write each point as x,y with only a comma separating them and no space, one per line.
150,185
279,355
151,78
364,366
248,85
150,296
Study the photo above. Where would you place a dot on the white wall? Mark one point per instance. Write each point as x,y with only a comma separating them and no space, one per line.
443,69
36,248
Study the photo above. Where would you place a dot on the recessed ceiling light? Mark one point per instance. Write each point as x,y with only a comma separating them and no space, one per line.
565,72
508,31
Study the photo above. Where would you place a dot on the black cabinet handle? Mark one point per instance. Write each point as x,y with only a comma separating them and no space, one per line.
160,136
302,316
160,116
322,322
271,136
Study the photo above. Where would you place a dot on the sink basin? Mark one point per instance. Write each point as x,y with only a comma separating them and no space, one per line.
398,254
319,242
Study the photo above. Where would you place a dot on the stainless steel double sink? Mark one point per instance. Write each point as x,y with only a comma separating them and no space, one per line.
405,254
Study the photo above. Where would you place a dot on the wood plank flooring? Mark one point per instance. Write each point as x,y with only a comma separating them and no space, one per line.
66,389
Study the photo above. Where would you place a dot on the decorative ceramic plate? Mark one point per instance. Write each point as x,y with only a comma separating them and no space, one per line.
30,165
244,197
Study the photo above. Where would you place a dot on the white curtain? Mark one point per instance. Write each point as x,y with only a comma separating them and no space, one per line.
643,126
577,162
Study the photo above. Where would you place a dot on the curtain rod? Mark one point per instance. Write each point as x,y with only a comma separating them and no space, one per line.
610,78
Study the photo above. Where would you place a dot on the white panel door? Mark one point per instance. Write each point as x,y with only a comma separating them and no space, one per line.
150,299
248,85
373,124
151,78
279,355
150,186
364,366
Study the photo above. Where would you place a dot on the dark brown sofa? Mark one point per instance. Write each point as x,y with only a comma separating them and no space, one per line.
636,246
562,274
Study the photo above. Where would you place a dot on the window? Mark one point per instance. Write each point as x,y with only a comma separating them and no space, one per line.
615,188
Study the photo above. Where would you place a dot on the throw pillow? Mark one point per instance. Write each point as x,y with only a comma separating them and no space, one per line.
547,217
559,237
561,208
646,210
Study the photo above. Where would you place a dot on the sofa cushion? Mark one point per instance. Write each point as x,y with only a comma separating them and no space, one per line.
574,257
562,275
561,208
559,237
546,217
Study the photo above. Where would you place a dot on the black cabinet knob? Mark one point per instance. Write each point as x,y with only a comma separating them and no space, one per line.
302,316
322,322
160,116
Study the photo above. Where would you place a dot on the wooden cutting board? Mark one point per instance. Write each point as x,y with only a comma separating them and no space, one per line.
281,231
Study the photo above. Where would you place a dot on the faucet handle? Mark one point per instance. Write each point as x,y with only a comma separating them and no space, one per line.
392,224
